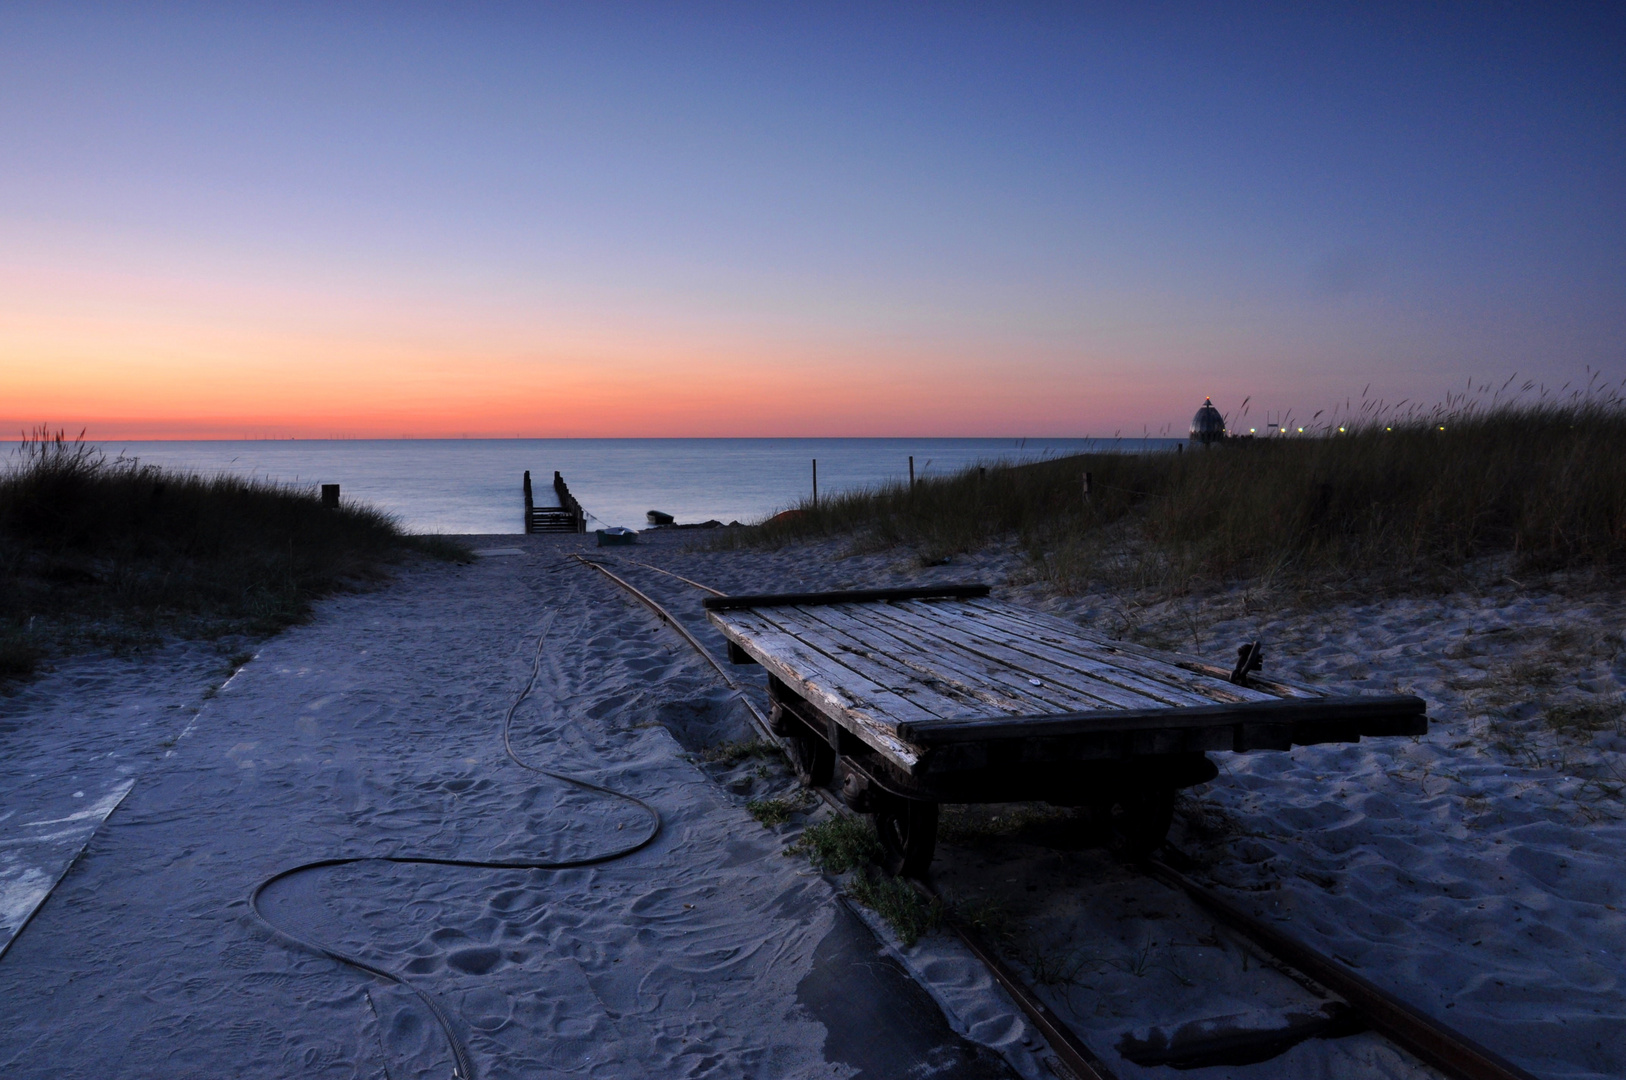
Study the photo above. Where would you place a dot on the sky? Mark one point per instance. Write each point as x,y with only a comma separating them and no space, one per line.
600,219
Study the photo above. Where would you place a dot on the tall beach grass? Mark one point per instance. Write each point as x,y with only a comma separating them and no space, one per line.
1373,497
110,552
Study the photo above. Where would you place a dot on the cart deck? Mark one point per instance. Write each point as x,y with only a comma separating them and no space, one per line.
943,695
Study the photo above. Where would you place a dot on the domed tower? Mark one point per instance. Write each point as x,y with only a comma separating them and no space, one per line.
1208,426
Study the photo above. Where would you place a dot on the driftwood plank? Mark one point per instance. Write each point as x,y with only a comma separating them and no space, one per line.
867,710
920,646
1040,629
948,639
1182,663
1059,634
984,632
934,695
1270,684
926,658
850,689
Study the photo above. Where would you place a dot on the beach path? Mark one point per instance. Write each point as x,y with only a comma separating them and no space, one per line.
376,730
71,746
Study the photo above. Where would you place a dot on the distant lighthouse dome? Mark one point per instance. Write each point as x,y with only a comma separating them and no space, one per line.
1208,426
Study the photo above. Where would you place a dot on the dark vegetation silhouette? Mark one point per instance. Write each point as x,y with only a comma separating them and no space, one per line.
111,553
1381,496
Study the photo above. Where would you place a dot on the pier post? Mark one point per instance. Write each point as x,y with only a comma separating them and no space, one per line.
330,496
815,481
911,472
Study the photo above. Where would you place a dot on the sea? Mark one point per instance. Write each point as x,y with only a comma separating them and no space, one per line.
475,485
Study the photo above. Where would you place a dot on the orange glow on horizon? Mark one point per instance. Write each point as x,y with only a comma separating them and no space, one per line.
160,378
606,397
128,354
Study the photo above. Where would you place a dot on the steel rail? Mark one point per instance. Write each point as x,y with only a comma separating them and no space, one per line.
669,619
680,577
1074,1055
1431,1041
759,721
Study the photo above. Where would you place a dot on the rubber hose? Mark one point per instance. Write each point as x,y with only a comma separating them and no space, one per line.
464,1067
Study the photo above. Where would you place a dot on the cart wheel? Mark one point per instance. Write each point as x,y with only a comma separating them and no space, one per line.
907,829
812,758
1135,825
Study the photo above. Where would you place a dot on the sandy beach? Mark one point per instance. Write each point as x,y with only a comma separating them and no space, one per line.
1474,871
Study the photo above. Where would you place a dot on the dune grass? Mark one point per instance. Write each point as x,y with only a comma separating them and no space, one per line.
98,552
844,844
839,844
1543,482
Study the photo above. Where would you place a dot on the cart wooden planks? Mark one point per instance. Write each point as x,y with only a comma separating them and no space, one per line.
914,697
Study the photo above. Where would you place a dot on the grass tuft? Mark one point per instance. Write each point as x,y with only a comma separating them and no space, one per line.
772,812
99,552
839,844
439,547
1585,719
909,913
732,753
846,843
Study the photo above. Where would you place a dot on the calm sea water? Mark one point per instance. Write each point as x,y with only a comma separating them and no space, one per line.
473,485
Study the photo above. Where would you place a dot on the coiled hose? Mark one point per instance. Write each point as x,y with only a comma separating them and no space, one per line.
464,1066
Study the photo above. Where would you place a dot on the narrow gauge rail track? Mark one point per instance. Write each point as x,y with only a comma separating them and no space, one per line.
1434,1043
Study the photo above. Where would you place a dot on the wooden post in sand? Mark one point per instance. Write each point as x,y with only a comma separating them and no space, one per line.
330,496
1086,489
815,481
911,472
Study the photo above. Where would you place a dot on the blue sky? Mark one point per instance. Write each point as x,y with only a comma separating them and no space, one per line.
921,219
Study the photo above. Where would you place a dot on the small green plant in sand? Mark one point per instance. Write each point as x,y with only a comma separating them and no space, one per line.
772,812
1059,967
843,844
839,844
903,907
110,553
732,753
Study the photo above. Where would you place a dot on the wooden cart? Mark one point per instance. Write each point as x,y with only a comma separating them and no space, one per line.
913,697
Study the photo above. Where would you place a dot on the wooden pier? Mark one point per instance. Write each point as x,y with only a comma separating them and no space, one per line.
566,517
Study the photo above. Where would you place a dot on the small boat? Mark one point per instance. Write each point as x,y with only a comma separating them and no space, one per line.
616,536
